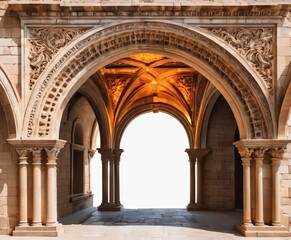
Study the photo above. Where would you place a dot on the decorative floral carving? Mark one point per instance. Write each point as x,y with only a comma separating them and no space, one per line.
116,85
44,43
255,44
128,34
184,83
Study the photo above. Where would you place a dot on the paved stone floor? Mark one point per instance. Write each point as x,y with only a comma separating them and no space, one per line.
154,224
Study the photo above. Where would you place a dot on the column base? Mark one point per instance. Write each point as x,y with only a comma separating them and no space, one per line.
196,207
110,207
264,231
38,231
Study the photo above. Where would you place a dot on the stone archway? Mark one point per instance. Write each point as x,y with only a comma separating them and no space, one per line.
100,46
9,102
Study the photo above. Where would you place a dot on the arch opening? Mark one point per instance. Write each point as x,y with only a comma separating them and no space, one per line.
154,166
195,47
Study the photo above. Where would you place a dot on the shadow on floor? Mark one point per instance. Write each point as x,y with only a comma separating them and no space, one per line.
218,221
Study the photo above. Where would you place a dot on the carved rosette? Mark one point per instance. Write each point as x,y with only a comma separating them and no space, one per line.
255,45
44,43
184,84
116,86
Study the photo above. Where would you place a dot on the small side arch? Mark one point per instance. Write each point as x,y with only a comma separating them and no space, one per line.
285,110
9,100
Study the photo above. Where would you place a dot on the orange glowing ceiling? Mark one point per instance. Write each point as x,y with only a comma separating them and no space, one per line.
148,78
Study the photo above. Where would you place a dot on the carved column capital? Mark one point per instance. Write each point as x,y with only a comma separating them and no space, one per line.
259,152
36,155
245,152
52,155
277,153
106,154
117,154
23,155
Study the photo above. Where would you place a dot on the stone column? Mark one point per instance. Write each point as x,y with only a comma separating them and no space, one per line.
246,162
259,157
23,185
277,155
111,177
52,186
36,171
105,156
192,160
201,153
117,154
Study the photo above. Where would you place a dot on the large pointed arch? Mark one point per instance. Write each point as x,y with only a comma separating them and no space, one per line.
9,100
195,47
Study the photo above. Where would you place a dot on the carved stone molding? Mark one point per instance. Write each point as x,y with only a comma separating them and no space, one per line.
255,45
139,33
44,43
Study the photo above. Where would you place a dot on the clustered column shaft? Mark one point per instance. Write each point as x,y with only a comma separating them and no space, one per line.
256,156
23,186
111,156
196,157
36,169
246,162
51,218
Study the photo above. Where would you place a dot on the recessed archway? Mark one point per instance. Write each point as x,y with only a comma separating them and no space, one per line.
154,166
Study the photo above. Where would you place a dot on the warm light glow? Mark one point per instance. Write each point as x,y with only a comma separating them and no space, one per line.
147,57
154,82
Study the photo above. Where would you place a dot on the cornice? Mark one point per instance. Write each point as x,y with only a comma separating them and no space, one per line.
128,8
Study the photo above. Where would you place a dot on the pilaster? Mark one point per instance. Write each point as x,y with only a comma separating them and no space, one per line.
38,227
253,151
196,157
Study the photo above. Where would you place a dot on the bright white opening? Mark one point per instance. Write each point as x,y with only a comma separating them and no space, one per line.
96,175
154,167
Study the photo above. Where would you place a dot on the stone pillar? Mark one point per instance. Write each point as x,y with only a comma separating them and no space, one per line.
111,182
201,153
192,160
23,185
277,155
105,156
36,171
52,186
117,153
246,162
259,157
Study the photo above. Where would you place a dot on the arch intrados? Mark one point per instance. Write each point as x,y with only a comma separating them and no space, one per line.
9,103
187,59
285,112
134,113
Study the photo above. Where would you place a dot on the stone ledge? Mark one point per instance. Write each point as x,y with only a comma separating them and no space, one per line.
264,231
38,231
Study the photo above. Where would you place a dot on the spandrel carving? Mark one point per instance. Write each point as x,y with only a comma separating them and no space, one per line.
44,43
256,45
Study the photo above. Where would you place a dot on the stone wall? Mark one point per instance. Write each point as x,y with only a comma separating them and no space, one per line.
67,201
8,181
10,41
219,164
